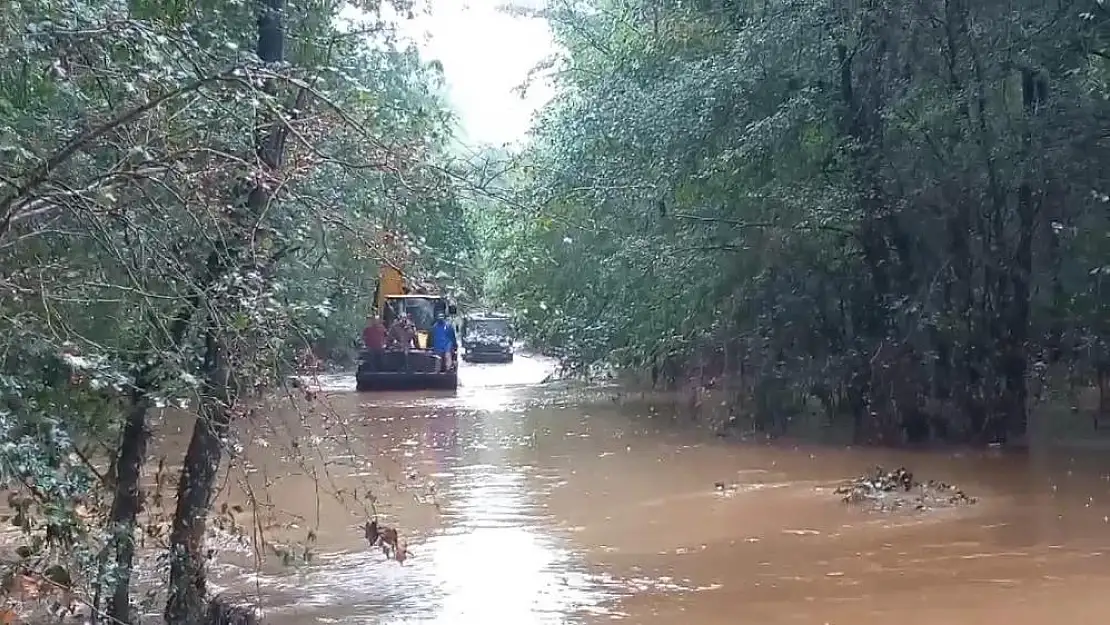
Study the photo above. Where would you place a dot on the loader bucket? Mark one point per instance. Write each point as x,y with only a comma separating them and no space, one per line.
411,370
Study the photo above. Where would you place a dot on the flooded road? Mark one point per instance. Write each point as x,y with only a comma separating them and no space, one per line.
535,504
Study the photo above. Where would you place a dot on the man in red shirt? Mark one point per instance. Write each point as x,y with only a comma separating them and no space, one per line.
373,337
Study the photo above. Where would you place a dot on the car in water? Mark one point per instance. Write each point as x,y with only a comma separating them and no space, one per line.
487,338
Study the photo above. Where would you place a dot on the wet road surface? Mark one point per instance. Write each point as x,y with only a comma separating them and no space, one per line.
535,504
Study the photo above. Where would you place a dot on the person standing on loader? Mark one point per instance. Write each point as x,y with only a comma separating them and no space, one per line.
374,338
402,334
444,342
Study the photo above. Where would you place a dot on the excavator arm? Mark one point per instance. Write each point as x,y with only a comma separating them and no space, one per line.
391,282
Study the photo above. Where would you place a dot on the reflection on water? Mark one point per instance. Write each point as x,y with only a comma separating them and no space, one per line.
491,563
495,556
496,565
523,505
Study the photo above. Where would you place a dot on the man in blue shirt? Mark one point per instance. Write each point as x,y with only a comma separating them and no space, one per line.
443,341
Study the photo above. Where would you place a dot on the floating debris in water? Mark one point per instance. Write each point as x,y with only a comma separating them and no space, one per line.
726,490
387,539
885,491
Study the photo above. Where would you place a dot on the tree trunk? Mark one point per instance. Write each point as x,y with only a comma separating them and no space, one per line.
187,602
1015,356
188,588
128,501
127,469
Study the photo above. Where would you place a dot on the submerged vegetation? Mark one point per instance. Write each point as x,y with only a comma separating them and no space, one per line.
897,490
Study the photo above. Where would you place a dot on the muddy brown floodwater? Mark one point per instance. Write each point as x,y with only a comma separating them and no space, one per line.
534,504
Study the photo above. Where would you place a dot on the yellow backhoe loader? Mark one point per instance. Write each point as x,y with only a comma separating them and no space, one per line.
409,367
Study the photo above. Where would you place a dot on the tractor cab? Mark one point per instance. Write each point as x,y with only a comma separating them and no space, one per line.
421,309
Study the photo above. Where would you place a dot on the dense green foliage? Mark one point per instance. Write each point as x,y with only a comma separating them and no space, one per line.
900,208
190,195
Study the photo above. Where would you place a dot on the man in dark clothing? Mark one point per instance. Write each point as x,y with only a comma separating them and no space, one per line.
402,333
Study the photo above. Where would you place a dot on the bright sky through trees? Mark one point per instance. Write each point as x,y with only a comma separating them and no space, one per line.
486,54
